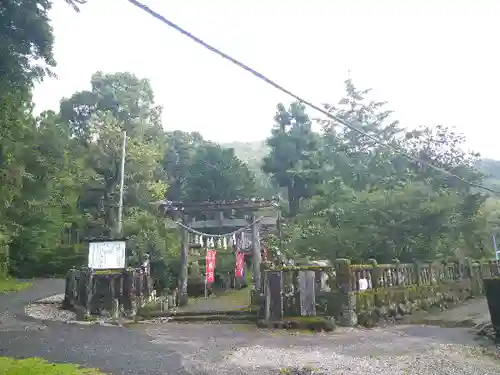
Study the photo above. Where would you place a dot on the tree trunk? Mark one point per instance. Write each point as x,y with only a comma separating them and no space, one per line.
293,201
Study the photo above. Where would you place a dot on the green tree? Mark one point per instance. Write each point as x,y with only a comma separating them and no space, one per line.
120,102
47,203
26,56
376,203
129,100
292,161
216,174
360,162
253,154
179,151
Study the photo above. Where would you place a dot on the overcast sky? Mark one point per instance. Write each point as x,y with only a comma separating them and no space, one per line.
435,62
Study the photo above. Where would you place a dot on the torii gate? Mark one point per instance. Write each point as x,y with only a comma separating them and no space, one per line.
182,210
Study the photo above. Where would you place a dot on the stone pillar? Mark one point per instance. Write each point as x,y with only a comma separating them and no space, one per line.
397,278
307,292
348,317
433,278
493,268
476,282
376,273
376,280
418,272
274,296
70,289
90,291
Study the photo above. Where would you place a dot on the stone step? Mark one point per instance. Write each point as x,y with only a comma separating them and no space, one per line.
178,314
248,318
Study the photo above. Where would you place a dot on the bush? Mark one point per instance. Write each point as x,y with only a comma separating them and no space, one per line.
165,273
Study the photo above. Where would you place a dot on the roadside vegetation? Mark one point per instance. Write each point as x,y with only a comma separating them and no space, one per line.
11,285
38,366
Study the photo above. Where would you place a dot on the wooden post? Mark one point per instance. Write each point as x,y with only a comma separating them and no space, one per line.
183,275
256,256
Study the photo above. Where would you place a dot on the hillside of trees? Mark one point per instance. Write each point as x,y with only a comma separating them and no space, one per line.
491,170
343,195
253,154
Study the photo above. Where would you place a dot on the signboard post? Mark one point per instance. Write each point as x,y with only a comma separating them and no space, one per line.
106,254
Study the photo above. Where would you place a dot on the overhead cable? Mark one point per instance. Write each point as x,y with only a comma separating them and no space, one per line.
269,81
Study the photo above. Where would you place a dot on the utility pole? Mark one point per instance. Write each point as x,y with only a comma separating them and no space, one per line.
256,255
122,183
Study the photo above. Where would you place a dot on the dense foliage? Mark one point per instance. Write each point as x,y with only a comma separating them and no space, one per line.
352,197
59,171
346,195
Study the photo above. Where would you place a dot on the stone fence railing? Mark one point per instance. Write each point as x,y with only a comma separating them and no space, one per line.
366,293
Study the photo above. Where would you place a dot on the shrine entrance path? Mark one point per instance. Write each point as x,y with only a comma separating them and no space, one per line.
229,349
233,300
218,349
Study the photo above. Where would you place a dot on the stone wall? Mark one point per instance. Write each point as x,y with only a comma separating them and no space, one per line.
369,293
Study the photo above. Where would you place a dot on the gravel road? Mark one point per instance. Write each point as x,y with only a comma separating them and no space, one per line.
173,348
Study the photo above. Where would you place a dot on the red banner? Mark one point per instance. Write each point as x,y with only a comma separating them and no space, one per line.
240,264
210,266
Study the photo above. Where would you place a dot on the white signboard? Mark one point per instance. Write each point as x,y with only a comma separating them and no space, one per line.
107,255
363,284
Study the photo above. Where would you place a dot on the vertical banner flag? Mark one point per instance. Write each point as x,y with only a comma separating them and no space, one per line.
240,265
210,266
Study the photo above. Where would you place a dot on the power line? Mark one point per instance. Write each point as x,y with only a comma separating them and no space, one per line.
300,99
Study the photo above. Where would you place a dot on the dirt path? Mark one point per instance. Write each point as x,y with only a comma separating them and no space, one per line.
114,350
408,350
472,313
172,348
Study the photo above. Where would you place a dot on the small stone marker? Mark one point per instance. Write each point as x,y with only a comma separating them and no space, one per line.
307,292
275,300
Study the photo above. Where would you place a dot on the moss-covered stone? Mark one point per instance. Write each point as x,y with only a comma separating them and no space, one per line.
107,272
375,305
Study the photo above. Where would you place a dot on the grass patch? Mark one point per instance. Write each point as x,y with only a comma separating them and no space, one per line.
38,366
11,285
228,300
149,306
